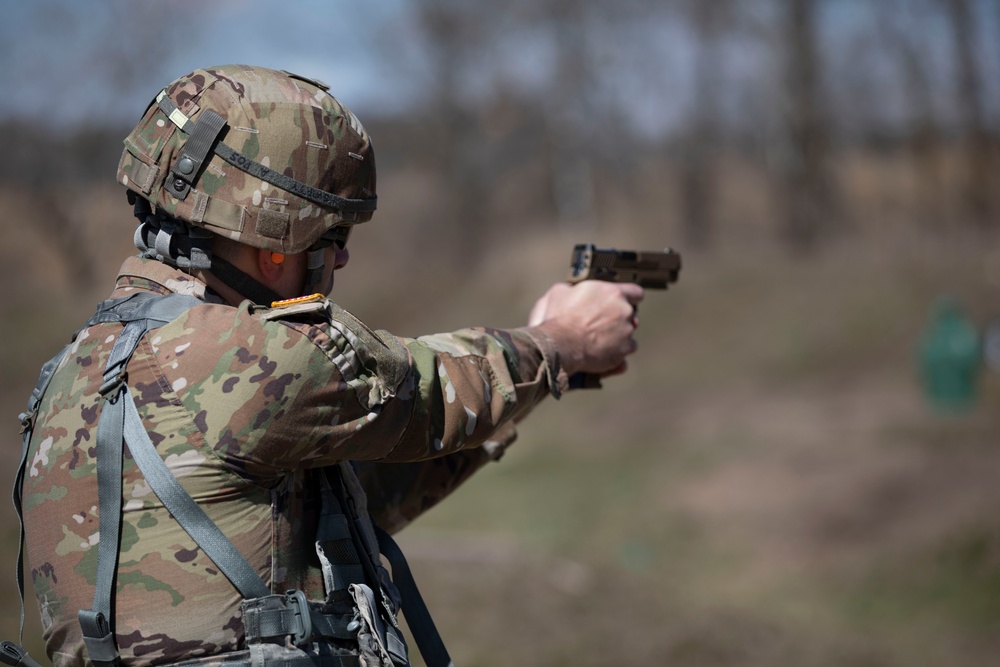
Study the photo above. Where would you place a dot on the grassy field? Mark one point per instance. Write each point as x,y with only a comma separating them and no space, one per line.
766,486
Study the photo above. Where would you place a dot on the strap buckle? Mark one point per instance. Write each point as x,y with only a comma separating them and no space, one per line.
27,421
13,654
99,638
112,384
301,620
114,378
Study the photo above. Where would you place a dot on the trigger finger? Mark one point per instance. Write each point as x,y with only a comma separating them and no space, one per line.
632,293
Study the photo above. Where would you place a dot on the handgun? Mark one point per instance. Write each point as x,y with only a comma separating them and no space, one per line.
648,269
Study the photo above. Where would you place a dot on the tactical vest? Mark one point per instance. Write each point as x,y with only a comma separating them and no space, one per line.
287,629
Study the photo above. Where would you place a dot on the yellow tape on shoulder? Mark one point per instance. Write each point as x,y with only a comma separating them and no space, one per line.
297,300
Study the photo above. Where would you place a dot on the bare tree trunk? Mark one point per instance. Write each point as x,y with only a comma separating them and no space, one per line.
458,150
978,153
567,115
701,142
809,203
924,138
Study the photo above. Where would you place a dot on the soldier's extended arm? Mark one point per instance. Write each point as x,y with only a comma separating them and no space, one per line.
648,269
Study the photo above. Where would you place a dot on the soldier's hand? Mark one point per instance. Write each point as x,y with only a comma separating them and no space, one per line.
591,322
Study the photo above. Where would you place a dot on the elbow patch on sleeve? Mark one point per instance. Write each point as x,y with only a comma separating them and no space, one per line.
381,354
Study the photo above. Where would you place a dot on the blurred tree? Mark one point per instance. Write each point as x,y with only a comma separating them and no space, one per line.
454,30
569,111
562,110
902,25
536,109
57,156
808,198
701,136
979,179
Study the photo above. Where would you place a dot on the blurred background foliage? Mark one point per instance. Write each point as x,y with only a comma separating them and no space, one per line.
770,484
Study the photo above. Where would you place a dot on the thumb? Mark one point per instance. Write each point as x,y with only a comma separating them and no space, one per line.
537,314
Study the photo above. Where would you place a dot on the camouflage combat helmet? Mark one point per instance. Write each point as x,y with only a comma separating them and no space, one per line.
267,158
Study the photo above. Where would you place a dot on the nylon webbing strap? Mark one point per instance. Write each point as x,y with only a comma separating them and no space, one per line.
97,623
272,654
203,135
140,312
243,283
185,510
18,486
14,655
290,615
242,162
288,184
366,558
418,617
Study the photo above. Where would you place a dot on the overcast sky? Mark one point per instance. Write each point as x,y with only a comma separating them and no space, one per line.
70,60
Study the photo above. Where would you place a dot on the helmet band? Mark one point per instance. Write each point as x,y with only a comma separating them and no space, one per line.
243,163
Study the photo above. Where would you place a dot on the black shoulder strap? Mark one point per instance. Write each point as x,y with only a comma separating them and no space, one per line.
418,617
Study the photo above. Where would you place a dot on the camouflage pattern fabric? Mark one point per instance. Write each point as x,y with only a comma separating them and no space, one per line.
247,406
287,123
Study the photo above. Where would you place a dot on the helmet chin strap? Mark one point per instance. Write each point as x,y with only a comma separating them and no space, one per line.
165,238
257,292
172,241
243,283
314,270
316,256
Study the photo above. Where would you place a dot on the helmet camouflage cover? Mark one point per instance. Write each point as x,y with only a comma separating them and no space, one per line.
264,157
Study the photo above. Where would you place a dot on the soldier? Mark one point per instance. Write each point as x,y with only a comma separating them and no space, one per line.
213,465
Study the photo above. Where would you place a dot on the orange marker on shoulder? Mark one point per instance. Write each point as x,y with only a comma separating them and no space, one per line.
297,300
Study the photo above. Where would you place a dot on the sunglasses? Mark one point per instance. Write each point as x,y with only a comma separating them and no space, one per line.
335,235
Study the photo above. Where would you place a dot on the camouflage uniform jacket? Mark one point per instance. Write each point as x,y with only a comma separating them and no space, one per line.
247,405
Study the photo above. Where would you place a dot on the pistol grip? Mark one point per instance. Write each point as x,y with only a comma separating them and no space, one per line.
584,381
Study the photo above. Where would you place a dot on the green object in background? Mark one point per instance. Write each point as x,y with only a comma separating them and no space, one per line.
950,357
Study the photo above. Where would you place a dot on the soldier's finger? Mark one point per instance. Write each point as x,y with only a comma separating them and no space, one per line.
632,292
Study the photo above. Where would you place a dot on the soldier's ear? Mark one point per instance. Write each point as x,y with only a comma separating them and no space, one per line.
271,264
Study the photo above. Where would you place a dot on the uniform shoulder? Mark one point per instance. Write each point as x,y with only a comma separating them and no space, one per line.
357,350
313,306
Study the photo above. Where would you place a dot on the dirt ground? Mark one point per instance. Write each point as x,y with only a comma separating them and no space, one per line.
835,539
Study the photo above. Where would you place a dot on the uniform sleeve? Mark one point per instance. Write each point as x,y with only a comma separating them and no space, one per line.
461,391
400,492
276,395
470,384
